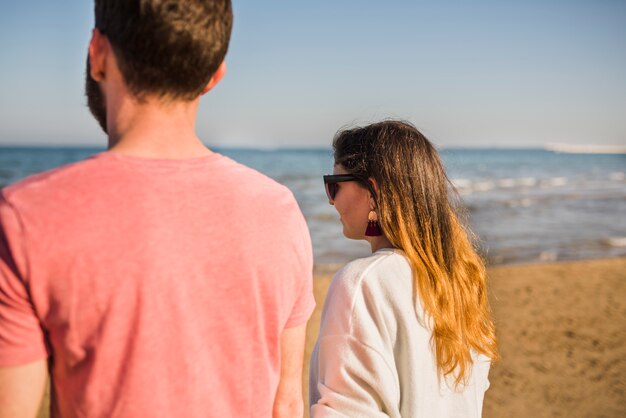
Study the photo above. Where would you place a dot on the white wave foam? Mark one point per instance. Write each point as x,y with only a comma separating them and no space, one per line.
483,186
527,181
462,183
617,176
616,241
556,181
467,186
506,183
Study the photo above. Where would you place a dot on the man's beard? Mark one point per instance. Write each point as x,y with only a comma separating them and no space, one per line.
95,98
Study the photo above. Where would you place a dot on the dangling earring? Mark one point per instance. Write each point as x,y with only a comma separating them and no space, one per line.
373,226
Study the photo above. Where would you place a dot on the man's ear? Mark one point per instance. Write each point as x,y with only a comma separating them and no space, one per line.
219,74
98,49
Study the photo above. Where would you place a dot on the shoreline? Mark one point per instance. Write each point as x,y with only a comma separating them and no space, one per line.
561,328
323,269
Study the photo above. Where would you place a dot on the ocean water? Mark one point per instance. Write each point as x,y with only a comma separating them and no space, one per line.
522,205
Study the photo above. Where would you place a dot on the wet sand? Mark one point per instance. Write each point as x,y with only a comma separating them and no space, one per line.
562,338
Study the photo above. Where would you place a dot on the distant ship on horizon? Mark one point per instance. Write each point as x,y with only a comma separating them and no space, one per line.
586,148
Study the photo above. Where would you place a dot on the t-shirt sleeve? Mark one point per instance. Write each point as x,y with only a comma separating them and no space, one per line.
22,339
303,271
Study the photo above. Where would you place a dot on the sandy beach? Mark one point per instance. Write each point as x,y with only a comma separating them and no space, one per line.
562,338
562,335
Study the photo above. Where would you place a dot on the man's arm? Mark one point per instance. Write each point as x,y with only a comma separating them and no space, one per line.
22,389
288,401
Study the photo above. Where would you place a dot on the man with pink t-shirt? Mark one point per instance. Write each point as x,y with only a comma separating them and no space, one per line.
156,279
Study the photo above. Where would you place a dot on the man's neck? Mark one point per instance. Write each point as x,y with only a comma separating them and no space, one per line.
153,129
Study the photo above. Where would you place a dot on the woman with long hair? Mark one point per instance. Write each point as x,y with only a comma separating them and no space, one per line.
407,331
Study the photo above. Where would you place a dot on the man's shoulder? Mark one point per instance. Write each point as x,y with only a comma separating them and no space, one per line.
48,180
252,184
249,175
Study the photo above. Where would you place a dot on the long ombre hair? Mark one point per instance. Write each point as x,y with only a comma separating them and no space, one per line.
417,217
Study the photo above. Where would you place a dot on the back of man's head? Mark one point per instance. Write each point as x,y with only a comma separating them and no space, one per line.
166,48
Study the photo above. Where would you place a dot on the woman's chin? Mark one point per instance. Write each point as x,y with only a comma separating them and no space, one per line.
351,235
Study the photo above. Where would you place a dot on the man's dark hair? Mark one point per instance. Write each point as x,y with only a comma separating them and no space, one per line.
166,48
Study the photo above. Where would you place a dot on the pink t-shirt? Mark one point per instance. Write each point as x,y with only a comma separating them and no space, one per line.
157,288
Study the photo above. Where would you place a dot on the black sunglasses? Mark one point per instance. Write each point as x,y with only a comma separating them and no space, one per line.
331,180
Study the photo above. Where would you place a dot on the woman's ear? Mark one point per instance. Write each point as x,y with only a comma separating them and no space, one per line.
374,185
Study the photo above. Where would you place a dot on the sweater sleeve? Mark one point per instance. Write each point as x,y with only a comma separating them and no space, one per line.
354,367
354,380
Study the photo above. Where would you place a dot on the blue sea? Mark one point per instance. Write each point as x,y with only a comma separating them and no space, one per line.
523,205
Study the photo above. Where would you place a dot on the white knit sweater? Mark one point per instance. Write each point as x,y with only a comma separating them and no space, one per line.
374,358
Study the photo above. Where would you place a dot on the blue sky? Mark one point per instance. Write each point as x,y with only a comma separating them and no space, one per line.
483,73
